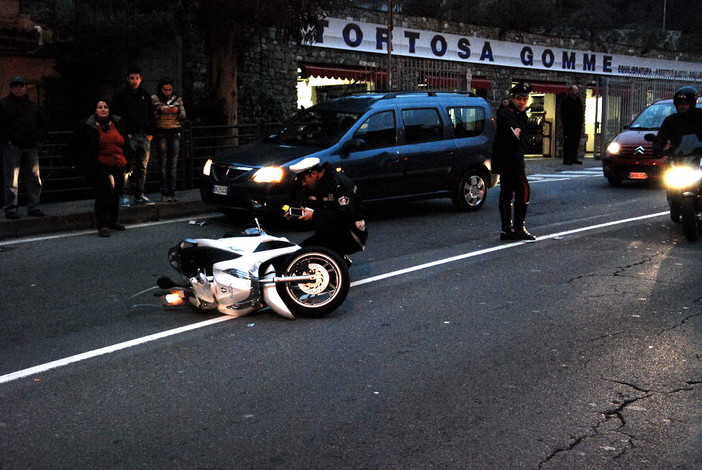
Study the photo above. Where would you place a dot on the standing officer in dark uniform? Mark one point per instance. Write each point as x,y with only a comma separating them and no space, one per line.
329,201
508,162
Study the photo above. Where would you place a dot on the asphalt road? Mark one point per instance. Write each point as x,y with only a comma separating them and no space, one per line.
581,350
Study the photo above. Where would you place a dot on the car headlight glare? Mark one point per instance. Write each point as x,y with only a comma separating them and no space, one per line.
207,169
614,148
269,174
681,177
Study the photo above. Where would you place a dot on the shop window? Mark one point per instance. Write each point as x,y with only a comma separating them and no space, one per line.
467,121
378,130
422,125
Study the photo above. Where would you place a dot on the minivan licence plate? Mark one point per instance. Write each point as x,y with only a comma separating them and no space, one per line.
638,175
219,189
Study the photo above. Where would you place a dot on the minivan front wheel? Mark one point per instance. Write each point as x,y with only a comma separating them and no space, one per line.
471,192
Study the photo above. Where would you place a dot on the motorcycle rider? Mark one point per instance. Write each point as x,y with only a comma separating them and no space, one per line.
686,120
330,203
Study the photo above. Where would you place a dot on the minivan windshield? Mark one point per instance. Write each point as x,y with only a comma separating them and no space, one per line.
316,128
653,116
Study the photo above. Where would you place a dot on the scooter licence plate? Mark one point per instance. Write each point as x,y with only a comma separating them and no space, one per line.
219,189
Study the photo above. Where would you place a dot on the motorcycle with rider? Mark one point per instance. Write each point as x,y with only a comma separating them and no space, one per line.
680,138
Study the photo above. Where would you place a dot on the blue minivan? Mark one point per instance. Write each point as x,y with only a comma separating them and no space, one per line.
394,145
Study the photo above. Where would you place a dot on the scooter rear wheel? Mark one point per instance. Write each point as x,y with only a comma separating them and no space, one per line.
325,293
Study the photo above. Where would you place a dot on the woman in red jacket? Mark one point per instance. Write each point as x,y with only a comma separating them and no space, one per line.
102,147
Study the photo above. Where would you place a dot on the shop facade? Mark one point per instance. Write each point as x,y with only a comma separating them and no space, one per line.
351,55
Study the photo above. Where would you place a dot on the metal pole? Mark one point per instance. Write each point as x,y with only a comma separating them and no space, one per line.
389,84
665,5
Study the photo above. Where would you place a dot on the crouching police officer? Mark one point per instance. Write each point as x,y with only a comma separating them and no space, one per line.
329,201
508,161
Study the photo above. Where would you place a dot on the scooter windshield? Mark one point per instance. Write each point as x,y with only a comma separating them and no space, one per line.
690,144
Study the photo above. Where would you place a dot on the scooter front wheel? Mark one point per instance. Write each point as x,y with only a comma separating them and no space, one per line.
690,218
322,295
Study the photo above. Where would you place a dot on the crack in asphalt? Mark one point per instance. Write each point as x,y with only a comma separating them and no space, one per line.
680,323
615,414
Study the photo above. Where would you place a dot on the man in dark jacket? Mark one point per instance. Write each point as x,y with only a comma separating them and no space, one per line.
329,201
572,118
21,127
508,162
133,104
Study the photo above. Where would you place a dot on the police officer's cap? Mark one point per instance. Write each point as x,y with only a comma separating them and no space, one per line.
307,165
18,80
521,89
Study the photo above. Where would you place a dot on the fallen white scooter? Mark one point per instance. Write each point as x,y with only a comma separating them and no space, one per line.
248,271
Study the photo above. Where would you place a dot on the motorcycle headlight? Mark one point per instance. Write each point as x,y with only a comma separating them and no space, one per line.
614,148
681,177
269,174
207,169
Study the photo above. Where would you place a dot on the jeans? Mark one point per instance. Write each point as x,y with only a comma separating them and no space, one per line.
141,147
168,146
27,159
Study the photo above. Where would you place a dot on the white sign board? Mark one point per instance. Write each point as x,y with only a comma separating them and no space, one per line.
367,37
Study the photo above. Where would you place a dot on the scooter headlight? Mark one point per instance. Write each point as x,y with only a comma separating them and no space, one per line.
681,177
238,273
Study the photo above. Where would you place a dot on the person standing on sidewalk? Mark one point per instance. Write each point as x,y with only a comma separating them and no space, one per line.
21,127
100,146
572,117
508,161
133,104
169,112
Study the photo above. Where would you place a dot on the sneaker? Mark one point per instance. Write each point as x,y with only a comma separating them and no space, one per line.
36,212
174,198
165,198
143,200
104,232
12,215
125,201
119,227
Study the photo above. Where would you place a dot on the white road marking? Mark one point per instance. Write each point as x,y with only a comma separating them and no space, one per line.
135,342
109,349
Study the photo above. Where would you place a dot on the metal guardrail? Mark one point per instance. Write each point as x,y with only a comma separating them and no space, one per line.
62,181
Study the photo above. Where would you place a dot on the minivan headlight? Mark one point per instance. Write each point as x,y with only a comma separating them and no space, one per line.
614,148
207,169
269,174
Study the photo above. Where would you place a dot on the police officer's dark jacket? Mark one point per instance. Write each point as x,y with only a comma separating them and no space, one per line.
334,198
508,150
675,126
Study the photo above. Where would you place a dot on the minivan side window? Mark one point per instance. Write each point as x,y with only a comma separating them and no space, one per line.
422,125
467,121
378,130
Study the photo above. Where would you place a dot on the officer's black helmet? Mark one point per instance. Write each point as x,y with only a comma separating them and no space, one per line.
686,94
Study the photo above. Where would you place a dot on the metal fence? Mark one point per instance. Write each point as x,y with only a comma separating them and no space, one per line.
623,99
63,181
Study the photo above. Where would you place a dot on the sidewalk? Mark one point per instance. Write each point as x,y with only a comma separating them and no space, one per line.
79,215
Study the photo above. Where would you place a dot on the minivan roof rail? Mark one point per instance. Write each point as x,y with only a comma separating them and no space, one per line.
395,93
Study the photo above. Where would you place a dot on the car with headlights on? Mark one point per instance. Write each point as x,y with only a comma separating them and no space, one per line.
629,156
393,145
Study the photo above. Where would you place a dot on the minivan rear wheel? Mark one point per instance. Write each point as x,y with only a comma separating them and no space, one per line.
471,192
